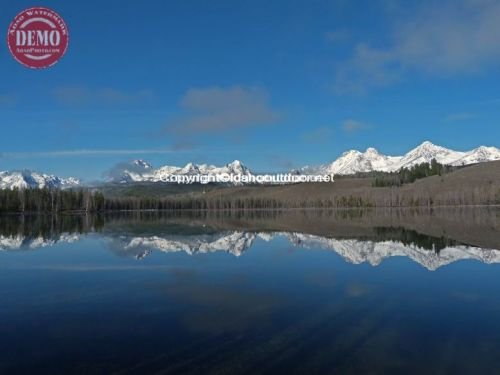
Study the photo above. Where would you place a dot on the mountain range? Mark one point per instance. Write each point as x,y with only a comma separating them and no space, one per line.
29,179
142,171
371,160
349,162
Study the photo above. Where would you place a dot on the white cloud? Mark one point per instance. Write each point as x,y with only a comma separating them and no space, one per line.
353,126
439,39
218,110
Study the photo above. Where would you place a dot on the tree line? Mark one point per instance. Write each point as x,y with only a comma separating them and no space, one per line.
409,175
50,200
56,201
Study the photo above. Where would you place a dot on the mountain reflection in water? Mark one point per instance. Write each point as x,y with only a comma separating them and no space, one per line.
432,238
256,292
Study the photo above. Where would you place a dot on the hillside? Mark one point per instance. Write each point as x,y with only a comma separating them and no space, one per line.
478,184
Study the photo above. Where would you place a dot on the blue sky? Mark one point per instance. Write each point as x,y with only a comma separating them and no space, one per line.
276,84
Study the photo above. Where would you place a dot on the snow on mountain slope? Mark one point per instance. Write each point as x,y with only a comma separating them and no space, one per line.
350,162
28,179
353,161
141,171
479,155
142,164
426,152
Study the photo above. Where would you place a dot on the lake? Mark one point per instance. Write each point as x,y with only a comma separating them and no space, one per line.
257,292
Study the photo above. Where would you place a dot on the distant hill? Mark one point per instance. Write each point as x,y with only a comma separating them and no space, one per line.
152,189
477,184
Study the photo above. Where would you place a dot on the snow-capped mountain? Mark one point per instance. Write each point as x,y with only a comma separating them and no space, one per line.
142,164
350,162
28,179
354,161
141,171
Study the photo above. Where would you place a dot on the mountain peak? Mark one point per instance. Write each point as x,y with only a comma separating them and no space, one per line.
428,145
351,153
371,151
190,168
142,163
428,151
237,167
235,163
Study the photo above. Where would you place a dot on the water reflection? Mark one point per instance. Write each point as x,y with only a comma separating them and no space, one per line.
100,295
431,238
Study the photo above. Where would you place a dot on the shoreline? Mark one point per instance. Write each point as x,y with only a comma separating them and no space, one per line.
256,209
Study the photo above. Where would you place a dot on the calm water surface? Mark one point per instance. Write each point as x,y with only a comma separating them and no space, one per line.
327,292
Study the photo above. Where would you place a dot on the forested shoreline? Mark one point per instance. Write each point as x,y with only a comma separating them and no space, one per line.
477,185
54,200
50,200
57,201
